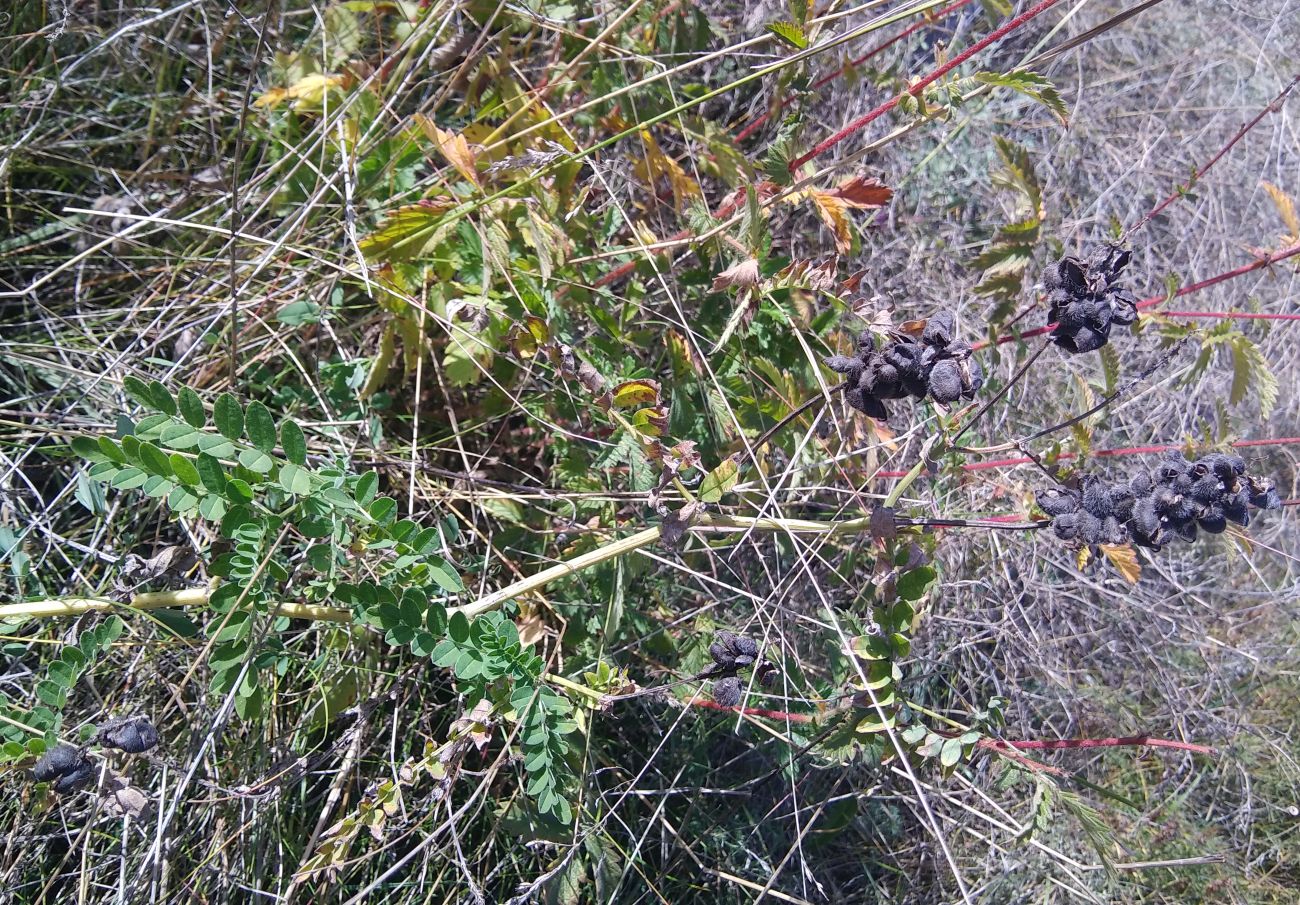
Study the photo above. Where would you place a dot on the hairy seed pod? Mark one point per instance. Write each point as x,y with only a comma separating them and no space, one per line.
1096,498
727,691
1090,527
1056,501
842,364
1186,529
1066,525
1140,483
938,330
1113,531
1206,490
1263,495
1236,507
945,382
1122,500
874,408
1145,522
1213,520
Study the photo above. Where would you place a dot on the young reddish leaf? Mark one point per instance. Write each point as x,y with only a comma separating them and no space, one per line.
862,192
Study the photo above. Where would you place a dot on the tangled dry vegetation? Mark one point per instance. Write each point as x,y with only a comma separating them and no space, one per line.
582,452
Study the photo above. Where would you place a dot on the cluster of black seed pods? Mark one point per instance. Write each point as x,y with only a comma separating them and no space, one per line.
732,653
1086,299
67,768
1173,500
935,365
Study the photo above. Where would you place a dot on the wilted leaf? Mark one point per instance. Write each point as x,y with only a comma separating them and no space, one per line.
742,275
407,231
452,146
307,93
1286,209
832,210
675,524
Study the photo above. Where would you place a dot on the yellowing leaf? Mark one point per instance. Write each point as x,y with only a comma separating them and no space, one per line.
1124,558
307,93
1083,557
1285,208
632,393
657,168
832,210
719,481
407,231
453,147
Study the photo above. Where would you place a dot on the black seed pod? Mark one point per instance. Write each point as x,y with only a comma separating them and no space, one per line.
134,736
938,329
1096,498
1122,500
1206,490
66,767
1055,501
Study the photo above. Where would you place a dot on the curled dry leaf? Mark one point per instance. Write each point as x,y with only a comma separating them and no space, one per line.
742,275
119,798
675,524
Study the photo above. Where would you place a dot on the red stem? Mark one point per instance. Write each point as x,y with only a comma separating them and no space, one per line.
1262,261
1273,106
1233,315
851,64
938,73
1063,744
1120,451
1132,741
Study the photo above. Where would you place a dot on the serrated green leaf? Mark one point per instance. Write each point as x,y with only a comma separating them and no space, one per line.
1031,85
790,33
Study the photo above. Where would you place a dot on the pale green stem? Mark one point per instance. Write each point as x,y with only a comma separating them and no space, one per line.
75,606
